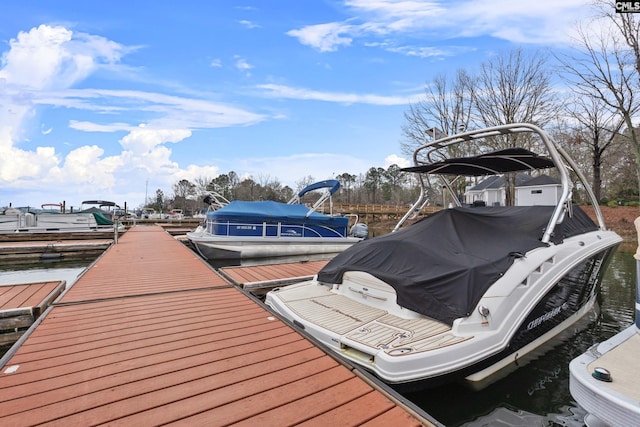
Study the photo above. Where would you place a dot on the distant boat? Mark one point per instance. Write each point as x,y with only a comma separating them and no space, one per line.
605,380
260,229
47,220
106,208
465,293
150,213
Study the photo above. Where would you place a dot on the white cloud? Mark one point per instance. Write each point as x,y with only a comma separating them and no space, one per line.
248,24
394,159
63,57
41,69
41,59
243,65
143,139
193,172
23,166
282,91
324,37
95,127
372,22
87,166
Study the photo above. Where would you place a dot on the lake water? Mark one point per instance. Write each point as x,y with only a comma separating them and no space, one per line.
535,394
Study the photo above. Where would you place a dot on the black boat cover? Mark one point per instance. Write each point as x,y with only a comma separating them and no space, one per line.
443,264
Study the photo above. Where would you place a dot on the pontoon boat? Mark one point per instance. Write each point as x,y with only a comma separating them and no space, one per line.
263,229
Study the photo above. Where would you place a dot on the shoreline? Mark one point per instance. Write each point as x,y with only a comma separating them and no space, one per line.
619,219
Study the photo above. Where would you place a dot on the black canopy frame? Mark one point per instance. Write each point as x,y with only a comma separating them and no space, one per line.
493,163
499,162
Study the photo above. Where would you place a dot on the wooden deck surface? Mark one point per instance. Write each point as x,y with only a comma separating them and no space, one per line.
151,335
29,295
24,251
260,278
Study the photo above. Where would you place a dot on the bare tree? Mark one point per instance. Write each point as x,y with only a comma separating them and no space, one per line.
373,182
628,26
347,181
514,88
511,87
603,67
182,190
304,182
446,107
597,127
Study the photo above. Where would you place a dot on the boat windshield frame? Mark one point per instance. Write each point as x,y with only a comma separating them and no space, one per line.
423,156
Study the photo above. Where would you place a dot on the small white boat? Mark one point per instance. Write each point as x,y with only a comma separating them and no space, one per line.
175,214
14,220
605,380
102,208
264,229
465,293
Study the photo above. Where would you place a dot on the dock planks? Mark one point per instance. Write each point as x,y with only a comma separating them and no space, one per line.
29,295
151,335
21,305
14,252
261,278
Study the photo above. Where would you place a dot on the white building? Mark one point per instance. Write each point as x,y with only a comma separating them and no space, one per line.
530,191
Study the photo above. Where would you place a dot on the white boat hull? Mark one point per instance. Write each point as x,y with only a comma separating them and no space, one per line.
228,247
360,320
50,223
615,403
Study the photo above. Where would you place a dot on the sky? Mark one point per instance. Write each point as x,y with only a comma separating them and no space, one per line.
114,100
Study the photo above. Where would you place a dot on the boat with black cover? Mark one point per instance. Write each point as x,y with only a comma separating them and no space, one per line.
467,292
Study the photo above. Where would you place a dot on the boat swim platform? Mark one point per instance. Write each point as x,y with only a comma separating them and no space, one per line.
22,304
150,334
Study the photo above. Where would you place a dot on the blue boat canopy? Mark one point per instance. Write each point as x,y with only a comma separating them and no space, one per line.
270,211
332,184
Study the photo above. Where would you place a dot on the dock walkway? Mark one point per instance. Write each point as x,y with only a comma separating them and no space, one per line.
150,334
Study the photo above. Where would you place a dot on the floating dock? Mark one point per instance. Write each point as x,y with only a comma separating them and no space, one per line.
21,305
17,252
151,334
259,279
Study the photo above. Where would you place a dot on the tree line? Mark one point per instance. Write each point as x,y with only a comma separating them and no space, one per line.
378,185
585,99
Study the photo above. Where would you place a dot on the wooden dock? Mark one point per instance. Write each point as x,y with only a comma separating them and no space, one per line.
22,304
259,279
26,251
150,334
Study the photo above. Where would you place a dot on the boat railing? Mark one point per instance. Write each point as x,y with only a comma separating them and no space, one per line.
266,229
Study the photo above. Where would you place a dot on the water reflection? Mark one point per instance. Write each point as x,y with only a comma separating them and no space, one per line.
538,393
42,272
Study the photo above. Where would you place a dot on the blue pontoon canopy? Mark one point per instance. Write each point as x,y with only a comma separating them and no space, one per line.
331,184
